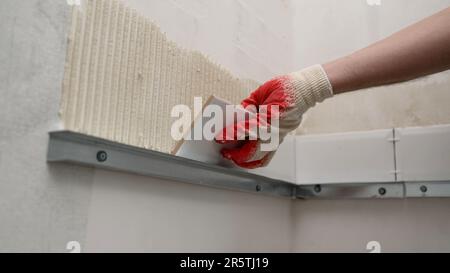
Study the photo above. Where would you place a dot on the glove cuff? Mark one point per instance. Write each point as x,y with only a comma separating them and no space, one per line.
308,87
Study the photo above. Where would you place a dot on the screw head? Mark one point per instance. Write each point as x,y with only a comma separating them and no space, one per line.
423,188
258,188
382,191
317,188
102,156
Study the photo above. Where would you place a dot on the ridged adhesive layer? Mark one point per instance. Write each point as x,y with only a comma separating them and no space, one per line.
123,76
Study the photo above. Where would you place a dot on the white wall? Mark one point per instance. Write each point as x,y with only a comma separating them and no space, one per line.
251,38
328,29
132,213
412,225
142,214
42,207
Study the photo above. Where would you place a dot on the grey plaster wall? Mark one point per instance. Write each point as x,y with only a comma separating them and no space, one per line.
42,207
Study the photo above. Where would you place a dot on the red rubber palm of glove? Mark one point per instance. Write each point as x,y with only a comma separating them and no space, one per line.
270,94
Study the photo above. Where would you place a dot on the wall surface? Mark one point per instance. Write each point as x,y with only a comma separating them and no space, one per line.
133,213
123,77
142,214
45,206
252,39
412,225
42,207
328,29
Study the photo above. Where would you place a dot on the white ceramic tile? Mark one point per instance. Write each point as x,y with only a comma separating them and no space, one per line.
282,165
423,153
205,150
353,157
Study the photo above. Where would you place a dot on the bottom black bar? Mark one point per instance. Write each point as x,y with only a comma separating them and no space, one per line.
240,262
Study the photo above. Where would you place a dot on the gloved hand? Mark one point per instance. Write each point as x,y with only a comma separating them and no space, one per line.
294,94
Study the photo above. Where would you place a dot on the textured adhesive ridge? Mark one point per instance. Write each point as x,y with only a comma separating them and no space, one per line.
123,76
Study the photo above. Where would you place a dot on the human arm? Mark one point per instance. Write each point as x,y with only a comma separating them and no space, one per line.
418,50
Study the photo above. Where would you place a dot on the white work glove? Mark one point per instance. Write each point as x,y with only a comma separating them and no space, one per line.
294,94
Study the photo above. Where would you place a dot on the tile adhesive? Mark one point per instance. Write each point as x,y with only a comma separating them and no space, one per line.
123,76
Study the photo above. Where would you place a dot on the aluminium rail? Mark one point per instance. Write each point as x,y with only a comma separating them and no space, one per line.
80,149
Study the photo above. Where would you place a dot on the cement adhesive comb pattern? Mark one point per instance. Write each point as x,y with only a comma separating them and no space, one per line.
123,76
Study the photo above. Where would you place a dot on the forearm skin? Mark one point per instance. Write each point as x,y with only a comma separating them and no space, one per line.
418,50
